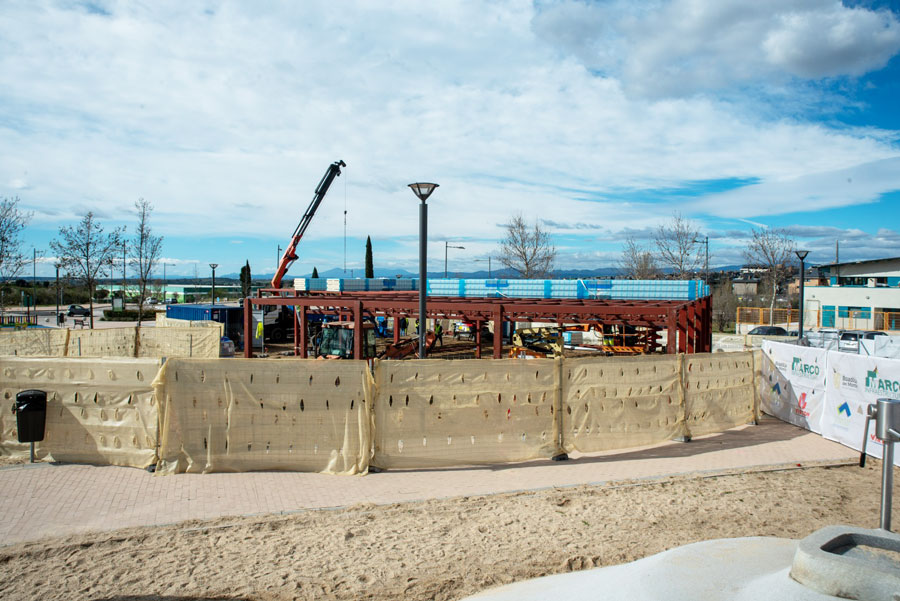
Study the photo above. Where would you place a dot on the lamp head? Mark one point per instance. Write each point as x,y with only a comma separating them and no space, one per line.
213,265
423,190
801,254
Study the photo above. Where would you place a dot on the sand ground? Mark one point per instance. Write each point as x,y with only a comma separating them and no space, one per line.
440,549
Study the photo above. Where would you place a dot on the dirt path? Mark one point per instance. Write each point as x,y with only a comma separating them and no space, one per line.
437,549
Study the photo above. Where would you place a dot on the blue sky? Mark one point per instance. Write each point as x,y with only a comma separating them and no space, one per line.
599,119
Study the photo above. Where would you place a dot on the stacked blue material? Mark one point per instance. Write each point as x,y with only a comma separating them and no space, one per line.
501,288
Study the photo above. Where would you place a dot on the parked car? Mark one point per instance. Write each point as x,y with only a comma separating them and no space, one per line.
849,341
78,311
871,334
768,331
151,301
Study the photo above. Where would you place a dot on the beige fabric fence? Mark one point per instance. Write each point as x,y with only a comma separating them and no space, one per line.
112,342
719,391
337,417
244,414
619,402
439,413
98,411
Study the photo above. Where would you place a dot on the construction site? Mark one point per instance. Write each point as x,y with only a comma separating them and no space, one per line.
419,380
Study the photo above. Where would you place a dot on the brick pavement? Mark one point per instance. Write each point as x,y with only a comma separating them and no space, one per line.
44,500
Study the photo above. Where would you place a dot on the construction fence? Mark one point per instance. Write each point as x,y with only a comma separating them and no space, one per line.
211,415
175,341
815,316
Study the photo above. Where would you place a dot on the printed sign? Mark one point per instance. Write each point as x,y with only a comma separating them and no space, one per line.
855,382
793,384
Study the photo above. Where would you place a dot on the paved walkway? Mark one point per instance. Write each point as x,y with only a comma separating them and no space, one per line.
44,500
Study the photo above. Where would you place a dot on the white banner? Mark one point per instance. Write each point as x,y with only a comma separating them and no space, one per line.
854,382
793,384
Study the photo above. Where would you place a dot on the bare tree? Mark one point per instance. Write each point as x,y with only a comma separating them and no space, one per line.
638,263
87,253
12,222
725,304
146,248
527,250
676,245
772,249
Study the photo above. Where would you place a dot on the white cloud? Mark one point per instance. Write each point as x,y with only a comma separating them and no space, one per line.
811,192
682,47
226,119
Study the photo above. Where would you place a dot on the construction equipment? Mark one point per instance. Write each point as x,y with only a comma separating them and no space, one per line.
408,346
616,339
278,321
337,340
537,342
290,253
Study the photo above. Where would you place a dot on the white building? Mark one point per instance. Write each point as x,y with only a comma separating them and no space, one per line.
863,295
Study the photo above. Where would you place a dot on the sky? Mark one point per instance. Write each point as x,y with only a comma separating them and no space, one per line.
600,120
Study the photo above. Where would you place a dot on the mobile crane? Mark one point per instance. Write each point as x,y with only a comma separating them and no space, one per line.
290,253
279,320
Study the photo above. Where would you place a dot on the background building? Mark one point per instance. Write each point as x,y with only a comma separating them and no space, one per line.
862,295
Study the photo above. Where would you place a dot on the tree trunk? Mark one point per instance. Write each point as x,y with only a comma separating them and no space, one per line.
772,304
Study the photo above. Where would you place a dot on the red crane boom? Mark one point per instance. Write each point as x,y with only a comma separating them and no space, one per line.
290,253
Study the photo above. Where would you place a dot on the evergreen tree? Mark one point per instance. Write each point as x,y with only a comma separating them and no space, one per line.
315,273
370,268
245,280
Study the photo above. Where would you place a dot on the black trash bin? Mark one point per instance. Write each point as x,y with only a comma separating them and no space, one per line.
31,415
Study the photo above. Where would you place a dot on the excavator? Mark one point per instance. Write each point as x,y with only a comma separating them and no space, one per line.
278,321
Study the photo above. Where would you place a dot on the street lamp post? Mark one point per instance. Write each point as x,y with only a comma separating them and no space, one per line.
801,254
705,241
166,281
34,283
213,297
422,191
124,280
446,246
57,292
489,265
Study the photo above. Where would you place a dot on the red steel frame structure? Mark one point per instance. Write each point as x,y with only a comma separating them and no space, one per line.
688,323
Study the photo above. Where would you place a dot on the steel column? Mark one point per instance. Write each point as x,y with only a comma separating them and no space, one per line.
357,330
691,329
672,333
304,331
478,323
498,332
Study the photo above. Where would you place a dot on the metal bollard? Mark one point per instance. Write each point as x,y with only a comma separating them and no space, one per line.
886,413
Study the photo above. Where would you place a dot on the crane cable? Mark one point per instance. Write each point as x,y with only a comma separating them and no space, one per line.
345,223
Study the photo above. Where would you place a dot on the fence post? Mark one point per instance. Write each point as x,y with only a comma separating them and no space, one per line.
682,402
561,454
755,379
